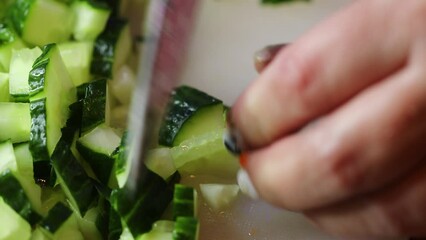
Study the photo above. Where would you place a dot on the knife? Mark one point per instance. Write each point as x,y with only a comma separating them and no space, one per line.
167,30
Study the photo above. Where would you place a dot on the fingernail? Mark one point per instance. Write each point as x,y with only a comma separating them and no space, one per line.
264,56
246,186
232,138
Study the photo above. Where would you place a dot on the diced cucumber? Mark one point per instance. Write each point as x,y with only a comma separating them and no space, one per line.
66,226
4,87
184,201
25,180
8,160
122,163
160,161
74,181
51,93
186,228
14,195
205,154
112,48
42,22
15,121
24,160
20,65
56,217
97,147
140,206
219,196
186,106
95,13
13,225
95,104
9,41
77,57
161,230
87,224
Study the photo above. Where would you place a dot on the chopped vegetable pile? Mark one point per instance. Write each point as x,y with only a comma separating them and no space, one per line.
67,70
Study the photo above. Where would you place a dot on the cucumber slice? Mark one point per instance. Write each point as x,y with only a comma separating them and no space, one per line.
77,57
41,22
74,181
51,92
95,13
95,104
139,211
186,107
8,160
21,64
56,217
184,201
97,147
219,196
161,230
186,228
4,87
160,161
121,166
9,41
15,122
68,226
14,195
13,225
24,160
112,49
87,224
205,155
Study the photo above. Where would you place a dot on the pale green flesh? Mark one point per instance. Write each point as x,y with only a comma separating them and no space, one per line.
219,196
77,57
102,139
48,21
6,52
4,87
15,122
204,120
123,48
21,64
85,13
8,160
160,161
13,227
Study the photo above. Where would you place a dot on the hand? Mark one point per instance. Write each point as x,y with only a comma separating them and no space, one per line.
335,125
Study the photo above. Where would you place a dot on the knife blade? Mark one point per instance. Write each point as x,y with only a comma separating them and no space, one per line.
168,25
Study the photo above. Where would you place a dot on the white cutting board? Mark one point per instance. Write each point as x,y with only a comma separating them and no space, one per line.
226,34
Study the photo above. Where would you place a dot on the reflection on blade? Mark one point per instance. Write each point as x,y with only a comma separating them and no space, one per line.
166,33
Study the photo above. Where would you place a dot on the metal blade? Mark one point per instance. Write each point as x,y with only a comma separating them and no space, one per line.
167,30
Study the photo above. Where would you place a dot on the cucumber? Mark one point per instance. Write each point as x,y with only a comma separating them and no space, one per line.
121,161
188,105
21,64
9,41
95,104
160,161
142,205
8,160
161,230
186,228
219,196
14,195
112,49
75,182
24,159
97,147
51,92
4,87
184,201
56,217
41,22
68,230
15,122
87,224
77,57
89,11
13,225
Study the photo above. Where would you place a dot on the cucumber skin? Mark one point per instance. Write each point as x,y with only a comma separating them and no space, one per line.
38,72
56,217
101,165
38,141
184,102
14,195
104,48
93,97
